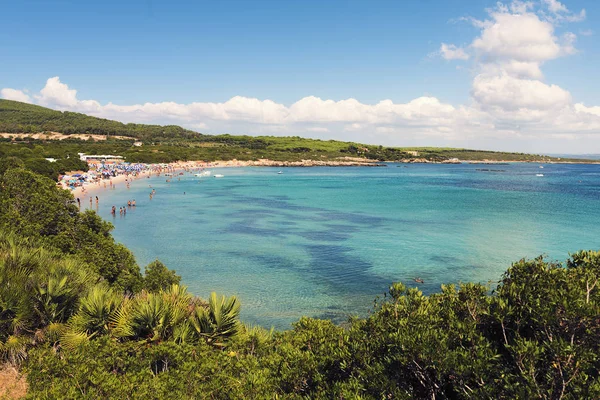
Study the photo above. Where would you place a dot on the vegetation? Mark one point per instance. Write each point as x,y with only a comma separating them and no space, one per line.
17,117
78,317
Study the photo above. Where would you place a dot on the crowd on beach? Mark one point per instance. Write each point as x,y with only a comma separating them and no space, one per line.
106,175
102,175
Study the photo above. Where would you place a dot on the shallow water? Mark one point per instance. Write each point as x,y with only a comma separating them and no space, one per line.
326,241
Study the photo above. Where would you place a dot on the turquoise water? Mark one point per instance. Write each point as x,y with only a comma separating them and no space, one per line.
325,242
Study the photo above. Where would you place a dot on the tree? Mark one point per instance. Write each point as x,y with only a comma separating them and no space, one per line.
33,207
158,277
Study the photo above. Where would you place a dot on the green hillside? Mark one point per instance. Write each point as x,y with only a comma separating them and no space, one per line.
17,117
174,143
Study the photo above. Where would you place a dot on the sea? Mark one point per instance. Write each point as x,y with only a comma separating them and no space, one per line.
326,242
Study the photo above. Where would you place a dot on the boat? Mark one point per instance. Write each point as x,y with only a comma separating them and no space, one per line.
541,166
280,172
203,173
539,174
219,176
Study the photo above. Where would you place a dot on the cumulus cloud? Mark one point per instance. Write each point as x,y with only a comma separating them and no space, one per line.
510,100
520,37
451,52
13,94
57,94
511,93
555,6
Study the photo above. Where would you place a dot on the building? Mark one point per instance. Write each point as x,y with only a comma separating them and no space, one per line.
102,157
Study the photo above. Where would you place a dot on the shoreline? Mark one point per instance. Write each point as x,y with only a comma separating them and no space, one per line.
93,188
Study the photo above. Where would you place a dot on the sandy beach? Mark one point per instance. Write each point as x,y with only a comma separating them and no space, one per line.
89,189
92,189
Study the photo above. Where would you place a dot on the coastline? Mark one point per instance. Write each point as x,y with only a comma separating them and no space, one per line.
93,188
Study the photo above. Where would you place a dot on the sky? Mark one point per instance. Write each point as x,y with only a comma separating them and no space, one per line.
516,76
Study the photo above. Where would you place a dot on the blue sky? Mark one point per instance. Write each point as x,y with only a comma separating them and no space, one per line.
137,52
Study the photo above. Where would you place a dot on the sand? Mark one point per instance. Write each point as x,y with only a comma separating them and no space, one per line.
13,385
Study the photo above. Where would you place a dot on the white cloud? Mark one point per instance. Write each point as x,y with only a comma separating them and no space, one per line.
586,32
511,93
555,6
580,108
57,94
13,94
520,37
560,13
451,52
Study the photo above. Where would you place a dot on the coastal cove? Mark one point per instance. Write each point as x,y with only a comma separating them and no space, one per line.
326,241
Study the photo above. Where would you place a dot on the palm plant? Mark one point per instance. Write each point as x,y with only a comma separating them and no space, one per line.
154,316
14,349
256,336
218,321
93,317
38,293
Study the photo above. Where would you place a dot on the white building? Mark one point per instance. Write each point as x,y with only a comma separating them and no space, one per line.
103,157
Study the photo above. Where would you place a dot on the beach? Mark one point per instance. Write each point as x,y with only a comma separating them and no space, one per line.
94,186
97,186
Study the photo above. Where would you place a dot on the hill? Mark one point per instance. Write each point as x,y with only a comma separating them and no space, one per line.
17,117
172,143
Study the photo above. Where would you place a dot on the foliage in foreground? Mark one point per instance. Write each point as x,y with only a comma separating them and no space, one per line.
535,336
78,317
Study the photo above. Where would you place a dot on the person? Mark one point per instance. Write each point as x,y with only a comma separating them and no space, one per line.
133,203
79,203
120,210
96,201
124,211
90,201
184,193
113,210
128,203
